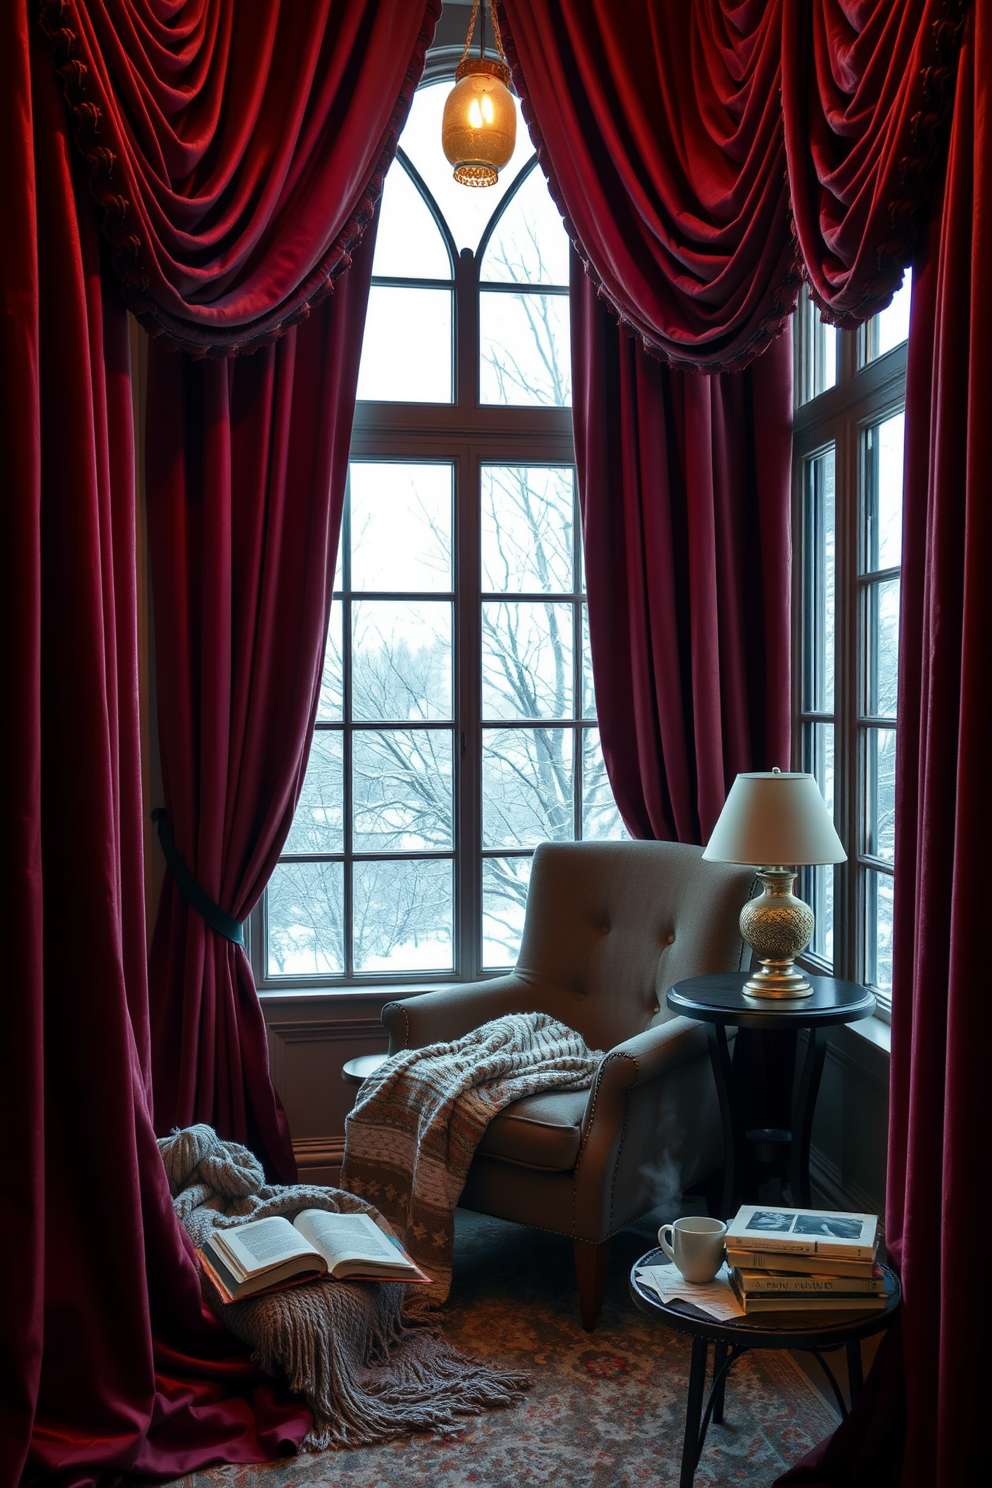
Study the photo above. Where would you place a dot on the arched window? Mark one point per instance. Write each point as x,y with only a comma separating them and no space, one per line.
456,726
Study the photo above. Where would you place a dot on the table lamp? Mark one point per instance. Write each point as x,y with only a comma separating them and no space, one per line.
772,818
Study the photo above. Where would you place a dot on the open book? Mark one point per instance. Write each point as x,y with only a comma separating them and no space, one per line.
266,1254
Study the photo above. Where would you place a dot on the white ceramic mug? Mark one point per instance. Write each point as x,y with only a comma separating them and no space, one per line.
696,1246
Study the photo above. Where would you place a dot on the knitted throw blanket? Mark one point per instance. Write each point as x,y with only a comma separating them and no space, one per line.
367,1372
417,1121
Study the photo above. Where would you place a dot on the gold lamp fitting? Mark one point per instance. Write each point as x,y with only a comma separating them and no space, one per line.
479,125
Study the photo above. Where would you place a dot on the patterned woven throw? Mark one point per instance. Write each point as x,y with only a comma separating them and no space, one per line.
367,1370
417,1121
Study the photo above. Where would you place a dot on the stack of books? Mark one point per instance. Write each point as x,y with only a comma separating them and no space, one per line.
799,1260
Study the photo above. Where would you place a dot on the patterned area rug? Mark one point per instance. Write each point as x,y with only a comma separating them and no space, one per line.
606,1409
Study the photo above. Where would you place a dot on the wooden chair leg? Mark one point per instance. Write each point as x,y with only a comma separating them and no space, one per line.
590,1269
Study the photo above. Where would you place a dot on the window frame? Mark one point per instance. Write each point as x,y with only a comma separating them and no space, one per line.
865,394
466,434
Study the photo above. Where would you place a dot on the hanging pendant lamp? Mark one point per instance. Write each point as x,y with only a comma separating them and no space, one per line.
479,127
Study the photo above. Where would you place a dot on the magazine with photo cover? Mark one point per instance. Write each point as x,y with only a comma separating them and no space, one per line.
818,1232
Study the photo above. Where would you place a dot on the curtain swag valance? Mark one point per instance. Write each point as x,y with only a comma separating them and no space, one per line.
236,151
708,156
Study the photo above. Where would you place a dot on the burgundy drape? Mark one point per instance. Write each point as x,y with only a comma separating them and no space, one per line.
684,483
941,1021
109,1364
663,132
235,147
673,139
230,202
920,1425
246,467
867,89
660,130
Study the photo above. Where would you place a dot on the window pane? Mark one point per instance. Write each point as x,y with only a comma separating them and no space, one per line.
880,794
882,670
305,919
526,786
527,513
406,349
819,582
600,817
318,825
466,211
526,660
409,243
403,916
504,898
817,884
400,526
529,244
878,931
588,681
890,327
401,659
524,349
402,789
818,370
330,704
883,493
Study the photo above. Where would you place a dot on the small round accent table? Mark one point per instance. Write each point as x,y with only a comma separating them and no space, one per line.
813,1332
767,1111
355,1071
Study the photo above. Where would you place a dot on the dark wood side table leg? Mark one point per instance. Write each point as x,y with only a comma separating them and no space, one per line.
802,1120
730,1117
693,1412
719,1385
855,1373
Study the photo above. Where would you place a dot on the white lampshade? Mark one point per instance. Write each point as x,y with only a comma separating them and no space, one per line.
774,817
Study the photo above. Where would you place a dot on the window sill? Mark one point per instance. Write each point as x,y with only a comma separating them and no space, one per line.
872,1030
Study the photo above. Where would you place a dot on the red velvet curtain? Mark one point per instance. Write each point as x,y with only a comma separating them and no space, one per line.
659,128
235,147
109,1364
671,137
918,1424
941,1021
684,483
246,466
867,89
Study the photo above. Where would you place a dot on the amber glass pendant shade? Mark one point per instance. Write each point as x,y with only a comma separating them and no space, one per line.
479,127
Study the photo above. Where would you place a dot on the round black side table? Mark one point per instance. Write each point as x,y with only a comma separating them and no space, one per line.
356,1071
766,1110
813,1332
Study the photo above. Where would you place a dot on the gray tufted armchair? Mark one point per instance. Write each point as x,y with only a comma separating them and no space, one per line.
609,928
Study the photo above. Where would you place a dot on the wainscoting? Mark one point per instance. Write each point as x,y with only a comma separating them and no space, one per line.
311,1035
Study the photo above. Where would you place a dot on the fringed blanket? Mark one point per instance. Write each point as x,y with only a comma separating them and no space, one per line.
417,1121
366,1372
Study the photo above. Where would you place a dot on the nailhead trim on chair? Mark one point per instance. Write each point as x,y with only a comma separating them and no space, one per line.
592,1117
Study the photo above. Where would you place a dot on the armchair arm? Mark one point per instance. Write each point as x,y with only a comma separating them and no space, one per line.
647,1055
437,1017
648,1111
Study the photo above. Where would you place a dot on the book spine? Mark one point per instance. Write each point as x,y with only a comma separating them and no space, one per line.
796,1286
841,1249
760,1260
